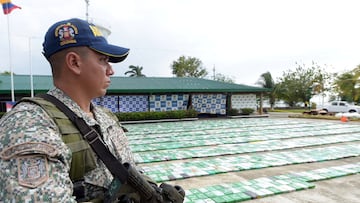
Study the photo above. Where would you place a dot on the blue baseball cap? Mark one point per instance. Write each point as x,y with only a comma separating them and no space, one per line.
76,32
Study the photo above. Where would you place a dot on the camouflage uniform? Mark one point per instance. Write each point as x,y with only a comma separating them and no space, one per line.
35,162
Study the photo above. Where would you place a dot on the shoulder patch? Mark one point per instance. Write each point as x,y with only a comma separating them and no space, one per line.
28,148
32,170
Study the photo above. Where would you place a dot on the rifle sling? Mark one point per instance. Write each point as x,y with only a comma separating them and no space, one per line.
91,135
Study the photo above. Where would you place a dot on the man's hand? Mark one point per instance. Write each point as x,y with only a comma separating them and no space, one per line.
174,194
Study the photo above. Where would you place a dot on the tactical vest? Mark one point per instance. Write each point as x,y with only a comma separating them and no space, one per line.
83,157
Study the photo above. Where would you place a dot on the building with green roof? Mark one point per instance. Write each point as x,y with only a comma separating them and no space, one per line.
129,94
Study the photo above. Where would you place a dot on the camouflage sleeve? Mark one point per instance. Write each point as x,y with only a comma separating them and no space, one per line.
34,162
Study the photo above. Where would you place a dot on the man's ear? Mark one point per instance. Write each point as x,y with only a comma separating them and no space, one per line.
73,62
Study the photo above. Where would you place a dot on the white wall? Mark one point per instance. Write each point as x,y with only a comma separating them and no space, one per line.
239,101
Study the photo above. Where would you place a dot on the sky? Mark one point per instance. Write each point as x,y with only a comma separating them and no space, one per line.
240,39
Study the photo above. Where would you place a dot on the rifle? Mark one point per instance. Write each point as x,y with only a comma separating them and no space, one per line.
139,189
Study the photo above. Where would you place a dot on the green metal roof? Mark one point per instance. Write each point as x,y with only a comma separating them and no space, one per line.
175,84
41,83
129,85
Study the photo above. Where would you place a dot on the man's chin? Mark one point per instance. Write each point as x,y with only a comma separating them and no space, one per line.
101,94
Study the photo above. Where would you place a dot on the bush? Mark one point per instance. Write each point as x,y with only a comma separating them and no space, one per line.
156,115
137,116
247,111
191,113
233,112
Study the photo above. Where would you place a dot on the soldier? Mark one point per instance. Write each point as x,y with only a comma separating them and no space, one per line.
43,158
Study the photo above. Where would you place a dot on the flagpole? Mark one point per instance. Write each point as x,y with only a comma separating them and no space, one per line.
10,62
31,74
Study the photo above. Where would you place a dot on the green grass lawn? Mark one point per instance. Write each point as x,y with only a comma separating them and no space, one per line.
290,110
301,115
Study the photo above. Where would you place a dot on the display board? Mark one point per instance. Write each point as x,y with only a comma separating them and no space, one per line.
209,103
134,103
168,102
239,101
108,101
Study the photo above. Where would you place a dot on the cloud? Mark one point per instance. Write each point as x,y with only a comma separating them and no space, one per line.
242,39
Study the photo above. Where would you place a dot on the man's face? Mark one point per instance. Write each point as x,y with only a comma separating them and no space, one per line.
95,75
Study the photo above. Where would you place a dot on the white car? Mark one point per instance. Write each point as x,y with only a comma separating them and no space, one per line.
340,106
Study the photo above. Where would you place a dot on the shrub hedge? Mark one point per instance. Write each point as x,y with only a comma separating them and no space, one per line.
137,116
243,111
247,111
233,112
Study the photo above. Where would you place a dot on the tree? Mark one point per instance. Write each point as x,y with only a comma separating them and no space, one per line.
266,81
223,78
188,67
288,88
322,83
297,86
6,73
346,85
135,71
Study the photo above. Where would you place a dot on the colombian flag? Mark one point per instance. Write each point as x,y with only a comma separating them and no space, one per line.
8,6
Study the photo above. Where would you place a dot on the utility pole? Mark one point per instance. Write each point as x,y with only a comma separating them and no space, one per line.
214,72
87,10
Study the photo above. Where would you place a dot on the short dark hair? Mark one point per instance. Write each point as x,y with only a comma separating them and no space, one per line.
57,60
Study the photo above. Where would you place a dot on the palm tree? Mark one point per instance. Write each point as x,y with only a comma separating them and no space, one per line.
266,81
135,71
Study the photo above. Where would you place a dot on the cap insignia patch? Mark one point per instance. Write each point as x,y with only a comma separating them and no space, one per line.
95,30
66,33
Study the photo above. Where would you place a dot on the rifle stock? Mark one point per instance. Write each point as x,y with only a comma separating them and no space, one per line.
145,190
138,190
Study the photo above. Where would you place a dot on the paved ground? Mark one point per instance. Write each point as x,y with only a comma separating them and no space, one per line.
338,190
341,189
